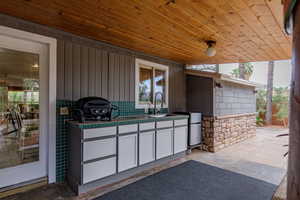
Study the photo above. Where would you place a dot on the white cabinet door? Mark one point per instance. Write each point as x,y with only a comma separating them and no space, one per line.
127,152
180,139
147,147
164,143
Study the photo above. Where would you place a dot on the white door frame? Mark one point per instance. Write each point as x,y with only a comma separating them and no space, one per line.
51,133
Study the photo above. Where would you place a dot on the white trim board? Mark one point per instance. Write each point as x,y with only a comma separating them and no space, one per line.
52,52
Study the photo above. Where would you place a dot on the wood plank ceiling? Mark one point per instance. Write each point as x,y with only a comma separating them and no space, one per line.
245,30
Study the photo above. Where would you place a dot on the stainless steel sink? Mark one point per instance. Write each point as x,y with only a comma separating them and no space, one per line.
161,115
129,117
158,115
145,116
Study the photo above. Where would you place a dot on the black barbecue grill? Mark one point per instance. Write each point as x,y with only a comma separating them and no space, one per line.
94,109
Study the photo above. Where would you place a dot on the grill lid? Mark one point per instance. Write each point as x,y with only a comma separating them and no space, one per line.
94,105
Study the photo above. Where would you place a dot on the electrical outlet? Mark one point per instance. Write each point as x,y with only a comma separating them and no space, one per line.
64,111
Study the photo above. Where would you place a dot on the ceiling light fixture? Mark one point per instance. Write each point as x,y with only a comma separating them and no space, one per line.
35,66
211,50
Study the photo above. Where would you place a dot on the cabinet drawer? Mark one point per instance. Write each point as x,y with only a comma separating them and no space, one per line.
99,169
164,124
128,128
147,126
181,122
99,148
99,132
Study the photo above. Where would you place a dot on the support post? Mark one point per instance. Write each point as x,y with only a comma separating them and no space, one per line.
293,190
269,113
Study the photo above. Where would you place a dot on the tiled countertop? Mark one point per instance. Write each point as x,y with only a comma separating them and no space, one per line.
125,120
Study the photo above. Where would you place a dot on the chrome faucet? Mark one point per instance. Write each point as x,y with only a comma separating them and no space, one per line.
155,101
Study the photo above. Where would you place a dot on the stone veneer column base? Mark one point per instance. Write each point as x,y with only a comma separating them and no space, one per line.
219,132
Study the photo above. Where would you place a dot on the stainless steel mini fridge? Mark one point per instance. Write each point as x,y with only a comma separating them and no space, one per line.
194,129
195,134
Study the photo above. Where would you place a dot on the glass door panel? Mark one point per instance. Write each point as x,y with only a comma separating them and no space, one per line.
19,108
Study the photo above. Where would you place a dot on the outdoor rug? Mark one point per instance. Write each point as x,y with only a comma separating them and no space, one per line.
193,180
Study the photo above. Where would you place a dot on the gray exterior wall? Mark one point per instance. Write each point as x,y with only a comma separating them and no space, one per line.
203,96
234,99
88,67
200,95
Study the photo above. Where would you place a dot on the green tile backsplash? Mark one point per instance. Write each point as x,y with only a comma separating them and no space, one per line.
62,149
62,140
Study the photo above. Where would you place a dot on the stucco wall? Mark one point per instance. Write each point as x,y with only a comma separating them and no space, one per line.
231,99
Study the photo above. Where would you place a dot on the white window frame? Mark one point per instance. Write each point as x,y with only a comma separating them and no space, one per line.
137,79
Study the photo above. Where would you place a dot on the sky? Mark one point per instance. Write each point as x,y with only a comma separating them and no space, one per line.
282,72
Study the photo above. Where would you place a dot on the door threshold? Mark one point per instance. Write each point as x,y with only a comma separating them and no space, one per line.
23,187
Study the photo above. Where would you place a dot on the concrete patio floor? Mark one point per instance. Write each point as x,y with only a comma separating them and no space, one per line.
253,157
263,150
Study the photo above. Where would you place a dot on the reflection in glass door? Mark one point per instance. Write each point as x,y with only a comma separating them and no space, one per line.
19,108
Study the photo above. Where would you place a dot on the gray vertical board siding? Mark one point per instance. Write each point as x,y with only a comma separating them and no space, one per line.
111,72
105,75
177,88
60,69
76,82
127,68
171,88
122,78
132,78
92,85
180,88
182,100
116,75
68,71
84,71
106,70
182,82
98,72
